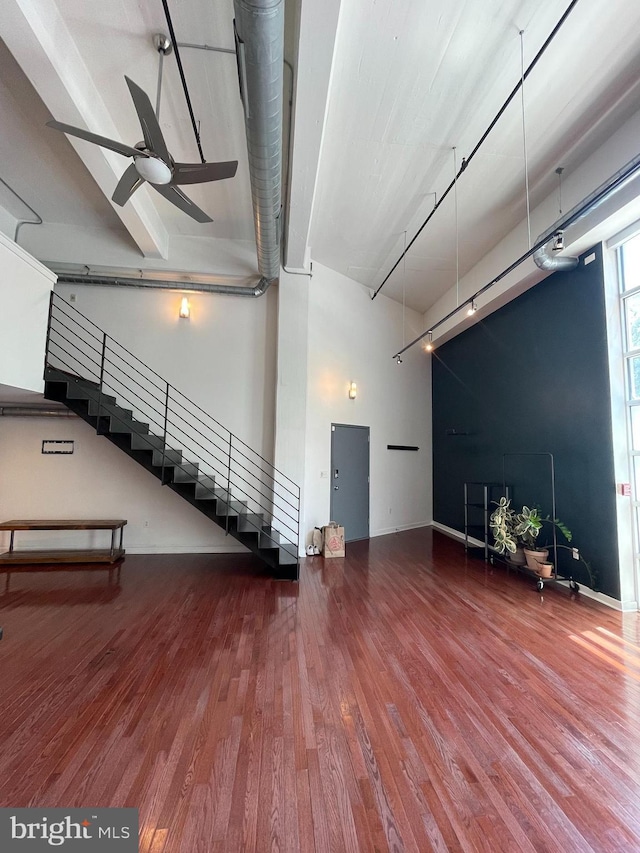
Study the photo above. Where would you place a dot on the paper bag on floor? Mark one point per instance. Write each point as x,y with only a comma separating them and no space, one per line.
333,536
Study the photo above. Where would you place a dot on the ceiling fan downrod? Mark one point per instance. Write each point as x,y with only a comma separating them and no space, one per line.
162,44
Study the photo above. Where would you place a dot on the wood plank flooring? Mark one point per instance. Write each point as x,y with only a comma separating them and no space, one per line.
405,698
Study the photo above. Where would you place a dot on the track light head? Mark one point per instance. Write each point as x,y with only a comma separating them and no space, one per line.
471,310
398,360
429,346
558,241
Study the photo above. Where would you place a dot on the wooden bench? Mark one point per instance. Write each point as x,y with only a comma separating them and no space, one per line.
77,555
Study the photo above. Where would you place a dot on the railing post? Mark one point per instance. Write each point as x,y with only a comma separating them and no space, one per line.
164,435
228,485
46,350
102,358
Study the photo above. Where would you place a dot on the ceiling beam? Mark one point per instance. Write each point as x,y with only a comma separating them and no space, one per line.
316,43
37,36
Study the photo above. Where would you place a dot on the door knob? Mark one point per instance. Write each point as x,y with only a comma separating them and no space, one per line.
335,488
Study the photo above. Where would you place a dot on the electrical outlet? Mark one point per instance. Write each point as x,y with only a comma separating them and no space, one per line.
575,553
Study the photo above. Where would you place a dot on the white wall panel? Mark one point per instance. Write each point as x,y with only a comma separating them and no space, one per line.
352,338
25,286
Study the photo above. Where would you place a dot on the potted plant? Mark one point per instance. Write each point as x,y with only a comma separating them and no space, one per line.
544,570
515,532
529,524
503,523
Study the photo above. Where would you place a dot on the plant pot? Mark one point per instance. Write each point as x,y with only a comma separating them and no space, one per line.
545,570
518,559
534,558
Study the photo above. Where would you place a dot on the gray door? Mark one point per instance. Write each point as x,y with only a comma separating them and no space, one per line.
350,480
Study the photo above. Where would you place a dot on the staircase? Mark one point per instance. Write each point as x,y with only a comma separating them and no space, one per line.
173,438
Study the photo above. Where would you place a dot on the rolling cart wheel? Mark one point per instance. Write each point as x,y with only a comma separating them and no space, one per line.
574,587
540,585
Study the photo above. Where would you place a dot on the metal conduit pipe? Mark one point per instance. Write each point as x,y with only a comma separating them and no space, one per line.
259,32
543,257
161,284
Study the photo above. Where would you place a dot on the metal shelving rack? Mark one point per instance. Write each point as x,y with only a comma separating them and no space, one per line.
478,498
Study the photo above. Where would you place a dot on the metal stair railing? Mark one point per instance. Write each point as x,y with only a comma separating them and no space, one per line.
181,434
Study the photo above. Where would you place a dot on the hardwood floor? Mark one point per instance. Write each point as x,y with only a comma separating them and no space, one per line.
404,698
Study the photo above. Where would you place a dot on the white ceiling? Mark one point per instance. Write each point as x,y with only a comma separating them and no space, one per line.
384,91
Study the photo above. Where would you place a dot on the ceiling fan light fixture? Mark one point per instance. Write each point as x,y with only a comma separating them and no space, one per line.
153,170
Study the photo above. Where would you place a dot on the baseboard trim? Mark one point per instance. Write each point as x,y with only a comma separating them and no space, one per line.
186,549
607,600
456,534
385,531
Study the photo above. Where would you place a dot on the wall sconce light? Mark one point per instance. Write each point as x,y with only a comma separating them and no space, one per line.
353,390
185,309
429,346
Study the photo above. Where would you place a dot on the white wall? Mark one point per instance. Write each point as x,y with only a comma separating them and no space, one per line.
97,481
352,338
223,358
25,286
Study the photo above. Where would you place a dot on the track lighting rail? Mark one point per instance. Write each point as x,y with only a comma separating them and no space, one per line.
599,195
467,160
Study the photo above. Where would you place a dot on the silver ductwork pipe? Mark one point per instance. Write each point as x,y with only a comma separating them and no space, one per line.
544,257
162,284
259,30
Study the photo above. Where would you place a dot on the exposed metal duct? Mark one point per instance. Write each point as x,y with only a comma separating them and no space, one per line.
161,284
259,29
544,257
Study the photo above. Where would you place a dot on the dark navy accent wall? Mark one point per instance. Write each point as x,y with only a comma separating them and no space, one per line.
533,377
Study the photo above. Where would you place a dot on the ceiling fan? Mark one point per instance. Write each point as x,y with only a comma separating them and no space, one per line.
152,162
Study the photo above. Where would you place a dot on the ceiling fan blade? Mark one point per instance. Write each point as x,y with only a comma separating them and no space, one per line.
199,173
111,144
177,197
127,185
153,138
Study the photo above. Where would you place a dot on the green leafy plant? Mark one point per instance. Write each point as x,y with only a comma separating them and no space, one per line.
528,526
511,528
503,526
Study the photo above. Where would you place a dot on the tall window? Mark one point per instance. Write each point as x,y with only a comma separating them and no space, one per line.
629,259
